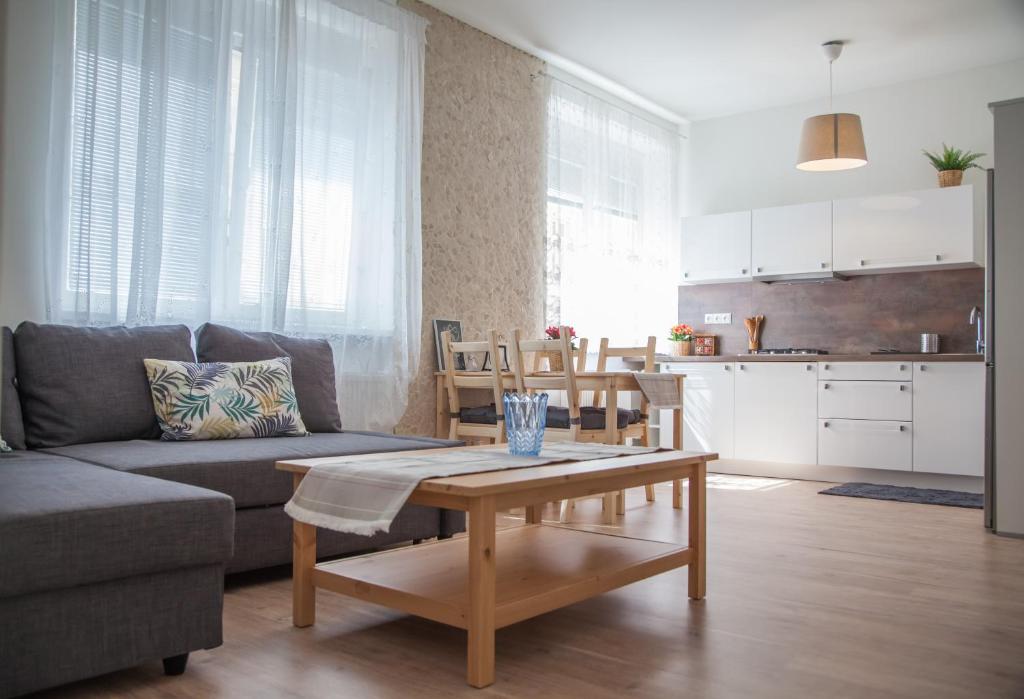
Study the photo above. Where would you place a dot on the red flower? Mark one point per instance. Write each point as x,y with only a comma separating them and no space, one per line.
554,333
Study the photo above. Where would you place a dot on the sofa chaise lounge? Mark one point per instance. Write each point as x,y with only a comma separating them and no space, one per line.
113,543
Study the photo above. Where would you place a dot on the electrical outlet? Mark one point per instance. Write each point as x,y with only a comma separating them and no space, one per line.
717,318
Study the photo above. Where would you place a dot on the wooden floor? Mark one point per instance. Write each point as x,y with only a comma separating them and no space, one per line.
808,596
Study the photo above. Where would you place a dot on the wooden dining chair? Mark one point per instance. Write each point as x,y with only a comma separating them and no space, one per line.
640,428
571,422
474,423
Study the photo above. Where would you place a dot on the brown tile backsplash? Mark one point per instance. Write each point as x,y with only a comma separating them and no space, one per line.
855,316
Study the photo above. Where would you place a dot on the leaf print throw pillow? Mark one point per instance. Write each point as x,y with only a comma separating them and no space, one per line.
221,400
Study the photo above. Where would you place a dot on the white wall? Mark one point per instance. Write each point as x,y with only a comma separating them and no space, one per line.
25,40
748,160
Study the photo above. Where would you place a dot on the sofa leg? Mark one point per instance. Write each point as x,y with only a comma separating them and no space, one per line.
175,665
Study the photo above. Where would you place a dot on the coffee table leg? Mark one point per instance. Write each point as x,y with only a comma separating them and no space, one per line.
303,561
480,627
677,443
697,569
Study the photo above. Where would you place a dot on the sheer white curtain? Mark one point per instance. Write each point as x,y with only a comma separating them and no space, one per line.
250,162
612,243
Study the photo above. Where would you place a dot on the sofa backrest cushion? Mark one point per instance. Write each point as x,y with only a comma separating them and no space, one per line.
11,427
81,385
312,367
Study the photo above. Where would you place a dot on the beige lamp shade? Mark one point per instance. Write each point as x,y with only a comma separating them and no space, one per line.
831,142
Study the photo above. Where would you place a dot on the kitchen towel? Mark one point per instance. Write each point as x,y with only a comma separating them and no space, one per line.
363,494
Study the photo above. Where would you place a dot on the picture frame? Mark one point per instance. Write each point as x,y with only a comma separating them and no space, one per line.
455,328
704,344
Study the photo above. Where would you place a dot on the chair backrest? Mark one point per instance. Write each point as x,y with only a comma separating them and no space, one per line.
645,351
529,381
580,354
455,380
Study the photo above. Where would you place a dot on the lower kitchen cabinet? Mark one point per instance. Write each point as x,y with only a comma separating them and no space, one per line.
949,417
882,444
776,415
708,406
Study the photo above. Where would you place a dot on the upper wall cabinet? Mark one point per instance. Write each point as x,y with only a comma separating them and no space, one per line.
716,248
791,240
927,229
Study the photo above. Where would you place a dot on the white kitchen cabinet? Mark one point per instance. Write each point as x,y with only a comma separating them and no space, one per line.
866,400
791,240
716,248
949,417
776,412
865,371
926,229
708,407
866,444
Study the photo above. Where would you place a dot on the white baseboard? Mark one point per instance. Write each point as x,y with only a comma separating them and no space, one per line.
840,474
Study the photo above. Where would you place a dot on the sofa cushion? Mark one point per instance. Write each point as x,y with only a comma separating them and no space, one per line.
89,384
11,427
224,400
242,468
66,523
312,366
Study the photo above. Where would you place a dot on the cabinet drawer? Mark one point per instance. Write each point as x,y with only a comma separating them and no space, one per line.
866,444
866,400
865,371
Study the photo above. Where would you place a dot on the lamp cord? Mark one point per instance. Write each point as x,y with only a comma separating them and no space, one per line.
830,86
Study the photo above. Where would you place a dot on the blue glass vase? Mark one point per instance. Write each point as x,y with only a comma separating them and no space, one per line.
525,418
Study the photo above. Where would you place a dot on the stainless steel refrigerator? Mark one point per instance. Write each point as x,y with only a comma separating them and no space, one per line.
1004,332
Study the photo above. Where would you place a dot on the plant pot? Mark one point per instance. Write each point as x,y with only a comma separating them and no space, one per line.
554,361
950,178
682,348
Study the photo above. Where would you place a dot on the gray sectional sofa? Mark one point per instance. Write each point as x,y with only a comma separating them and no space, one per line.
113,543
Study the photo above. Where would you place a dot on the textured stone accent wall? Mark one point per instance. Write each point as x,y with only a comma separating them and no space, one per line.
483,192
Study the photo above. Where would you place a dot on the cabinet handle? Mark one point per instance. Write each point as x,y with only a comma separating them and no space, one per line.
824,265
726,367
685,275
903,428
809,367
902,368
909,260
923,367
742,367
824,386
902,387
759,269
743,271
825,367
826,424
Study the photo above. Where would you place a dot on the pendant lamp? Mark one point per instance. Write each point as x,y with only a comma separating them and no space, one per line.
833,141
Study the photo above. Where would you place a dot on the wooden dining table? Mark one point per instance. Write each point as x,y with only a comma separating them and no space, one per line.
611,382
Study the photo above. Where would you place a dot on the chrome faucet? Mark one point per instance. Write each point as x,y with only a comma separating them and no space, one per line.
977,318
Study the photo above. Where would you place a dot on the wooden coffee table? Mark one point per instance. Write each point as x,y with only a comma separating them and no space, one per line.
464,582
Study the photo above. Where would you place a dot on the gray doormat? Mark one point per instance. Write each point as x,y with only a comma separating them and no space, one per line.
925,496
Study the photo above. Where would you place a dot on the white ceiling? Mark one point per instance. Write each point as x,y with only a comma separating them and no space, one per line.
697,59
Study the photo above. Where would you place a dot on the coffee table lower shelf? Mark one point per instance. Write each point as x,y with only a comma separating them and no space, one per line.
539,568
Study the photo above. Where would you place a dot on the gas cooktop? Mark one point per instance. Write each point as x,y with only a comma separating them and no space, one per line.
790,350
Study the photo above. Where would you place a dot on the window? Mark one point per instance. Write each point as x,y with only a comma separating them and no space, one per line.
215,176
611,243
249,162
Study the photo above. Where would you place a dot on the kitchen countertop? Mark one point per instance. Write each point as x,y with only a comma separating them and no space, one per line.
894,357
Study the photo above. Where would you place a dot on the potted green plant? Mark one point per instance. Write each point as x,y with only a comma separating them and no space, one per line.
951,163
682,340
555,358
